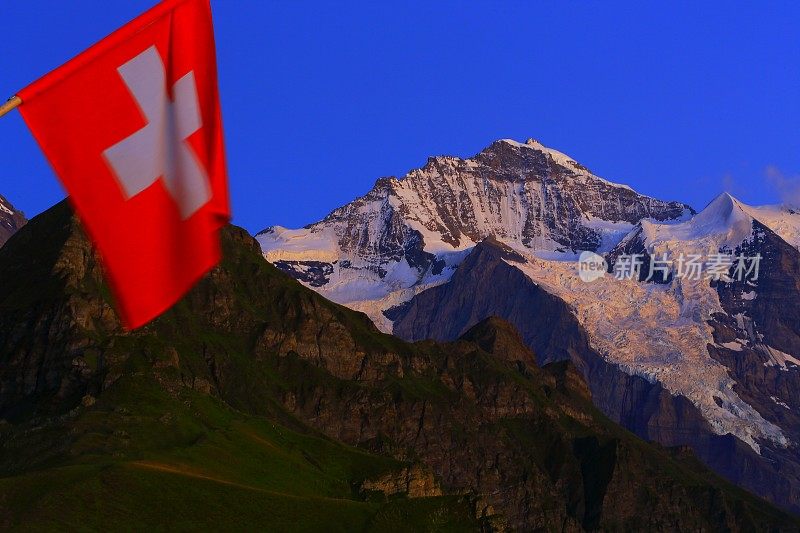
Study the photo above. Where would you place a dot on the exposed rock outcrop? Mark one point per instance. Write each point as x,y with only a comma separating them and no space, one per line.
414,482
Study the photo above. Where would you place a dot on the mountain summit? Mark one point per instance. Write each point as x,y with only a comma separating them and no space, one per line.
724,223
408,233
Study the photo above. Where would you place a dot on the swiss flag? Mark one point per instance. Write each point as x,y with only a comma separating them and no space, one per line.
133,129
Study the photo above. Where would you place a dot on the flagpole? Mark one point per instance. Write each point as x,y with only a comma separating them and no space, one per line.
12,104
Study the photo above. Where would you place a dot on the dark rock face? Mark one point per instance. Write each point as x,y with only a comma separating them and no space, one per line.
315,273
486,285
551,197
480,288
774,309
10,220
633,245
604,200
523,443
44,362
761,323
382,233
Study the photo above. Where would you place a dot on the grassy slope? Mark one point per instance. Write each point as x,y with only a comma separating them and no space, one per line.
141,458
152,453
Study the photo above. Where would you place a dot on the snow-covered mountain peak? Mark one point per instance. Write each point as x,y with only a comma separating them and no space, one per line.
575,170
557,157
410,232
723,218
725,222
723,206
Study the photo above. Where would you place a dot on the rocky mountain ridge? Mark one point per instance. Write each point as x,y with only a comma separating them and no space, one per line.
10,220
408,234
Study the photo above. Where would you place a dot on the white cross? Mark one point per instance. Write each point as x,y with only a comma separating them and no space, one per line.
160,150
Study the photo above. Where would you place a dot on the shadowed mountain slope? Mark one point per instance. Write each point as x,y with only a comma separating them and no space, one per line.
489,283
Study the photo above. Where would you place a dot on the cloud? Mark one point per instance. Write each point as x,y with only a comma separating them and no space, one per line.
788,187
733,186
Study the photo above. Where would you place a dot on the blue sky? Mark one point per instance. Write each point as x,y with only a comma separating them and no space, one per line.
679,101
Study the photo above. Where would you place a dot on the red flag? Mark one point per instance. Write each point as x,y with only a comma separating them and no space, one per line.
133,129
